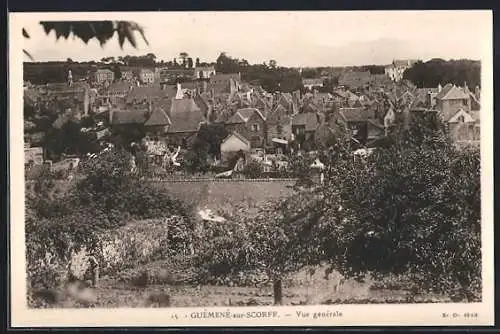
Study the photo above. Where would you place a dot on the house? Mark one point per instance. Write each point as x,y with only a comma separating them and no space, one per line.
396,70
145,94
146,76
186,118
117,92
127,75
251,124
451,99
102,75
278,125
204,72
123,121
224,83
76,96
310,84
304,126
355,79
232,145
205,106
173,75
363,123
158,122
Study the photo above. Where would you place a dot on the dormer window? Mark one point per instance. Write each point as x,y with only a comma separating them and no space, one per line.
255,127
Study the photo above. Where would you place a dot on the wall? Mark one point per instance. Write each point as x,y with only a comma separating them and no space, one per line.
216,193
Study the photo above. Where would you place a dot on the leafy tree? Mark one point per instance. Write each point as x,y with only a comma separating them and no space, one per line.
405,210
117,72
190,62
213,135
70,139
438,71
197,63
103,31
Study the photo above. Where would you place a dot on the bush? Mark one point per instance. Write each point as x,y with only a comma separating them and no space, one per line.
253,170
108,196
412,208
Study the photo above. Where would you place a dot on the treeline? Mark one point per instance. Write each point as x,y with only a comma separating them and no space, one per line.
439,71
268,74
52,72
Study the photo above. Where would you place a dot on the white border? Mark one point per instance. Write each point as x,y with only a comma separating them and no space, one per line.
353,315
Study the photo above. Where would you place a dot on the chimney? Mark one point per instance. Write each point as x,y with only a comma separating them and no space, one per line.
110,116
179,95
440,88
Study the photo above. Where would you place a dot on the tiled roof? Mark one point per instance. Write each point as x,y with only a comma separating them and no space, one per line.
452,92
158,117
357,114
243,115
119,87
310,120
185,116
128,117
150,93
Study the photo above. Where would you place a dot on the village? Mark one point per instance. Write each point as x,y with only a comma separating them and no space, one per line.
345,174
164,111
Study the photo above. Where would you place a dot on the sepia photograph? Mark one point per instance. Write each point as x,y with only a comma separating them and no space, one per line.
247,168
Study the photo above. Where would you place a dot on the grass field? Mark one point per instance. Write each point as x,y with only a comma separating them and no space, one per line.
211,194
217,194
300,289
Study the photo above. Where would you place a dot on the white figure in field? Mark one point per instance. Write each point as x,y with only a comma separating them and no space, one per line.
174,157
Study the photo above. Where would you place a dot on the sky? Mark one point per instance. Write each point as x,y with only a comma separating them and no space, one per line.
295,39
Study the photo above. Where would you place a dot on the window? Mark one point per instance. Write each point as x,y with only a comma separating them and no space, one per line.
279,129
461,119
255,127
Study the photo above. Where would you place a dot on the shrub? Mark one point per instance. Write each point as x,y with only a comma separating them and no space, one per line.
253,170
412,208
107,197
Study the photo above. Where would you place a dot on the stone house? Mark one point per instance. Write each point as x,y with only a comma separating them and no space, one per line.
451,99
232,145
363,123
251,124
103,75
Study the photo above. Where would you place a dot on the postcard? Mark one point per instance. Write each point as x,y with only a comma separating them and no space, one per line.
319,168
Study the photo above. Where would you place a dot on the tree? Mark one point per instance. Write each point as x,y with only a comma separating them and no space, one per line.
273,63
117,71
405,210
175,63
438,71
190,62
183,56
197,64
103,31
226,64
